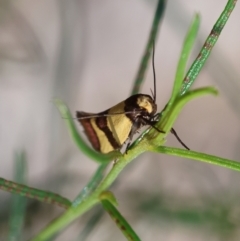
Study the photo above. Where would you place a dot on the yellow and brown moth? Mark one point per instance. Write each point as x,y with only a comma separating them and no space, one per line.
108,130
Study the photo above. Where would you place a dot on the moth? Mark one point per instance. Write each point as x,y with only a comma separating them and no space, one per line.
110,129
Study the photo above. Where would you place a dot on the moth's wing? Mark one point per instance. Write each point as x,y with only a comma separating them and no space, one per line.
98,132
85,119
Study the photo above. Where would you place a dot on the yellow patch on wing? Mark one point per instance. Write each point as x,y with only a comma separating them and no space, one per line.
119,124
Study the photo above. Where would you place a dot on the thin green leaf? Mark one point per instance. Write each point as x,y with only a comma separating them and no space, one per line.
18,206
147,53
121,222
29,192
184,56
81,144
198,156
207,47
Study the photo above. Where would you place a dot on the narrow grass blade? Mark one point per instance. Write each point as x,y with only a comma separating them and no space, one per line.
120,221
147,53
207,47
29,192
184,56
198,156
18,206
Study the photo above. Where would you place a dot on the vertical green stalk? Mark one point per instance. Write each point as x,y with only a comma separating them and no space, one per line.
147,53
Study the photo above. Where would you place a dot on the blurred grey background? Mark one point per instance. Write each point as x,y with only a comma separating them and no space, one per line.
87,52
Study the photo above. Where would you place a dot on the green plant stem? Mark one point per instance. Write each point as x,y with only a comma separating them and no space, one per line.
147,53
207,47
197,156
184,56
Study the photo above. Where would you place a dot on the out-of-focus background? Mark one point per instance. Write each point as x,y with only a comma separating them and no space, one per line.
87,53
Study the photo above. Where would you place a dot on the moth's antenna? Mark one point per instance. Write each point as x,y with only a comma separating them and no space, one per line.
154,73
102,114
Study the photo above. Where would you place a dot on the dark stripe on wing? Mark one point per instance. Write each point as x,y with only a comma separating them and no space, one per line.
90,132
101,123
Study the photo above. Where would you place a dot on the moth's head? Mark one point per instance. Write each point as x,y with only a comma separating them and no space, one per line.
147,103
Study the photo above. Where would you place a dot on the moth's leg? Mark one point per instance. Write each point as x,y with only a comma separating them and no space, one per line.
156,118
178,138
152,123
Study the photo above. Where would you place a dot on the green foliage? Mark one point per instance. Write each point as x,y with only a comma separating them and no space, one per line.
96,190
